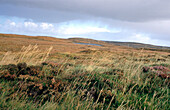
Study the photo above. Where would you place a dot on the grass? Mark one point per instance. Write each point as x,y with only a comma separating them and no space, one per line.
37,78
31,55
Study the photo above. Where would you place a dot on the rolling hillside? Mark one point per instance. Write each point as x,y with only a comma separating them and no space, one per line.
38,72
137,45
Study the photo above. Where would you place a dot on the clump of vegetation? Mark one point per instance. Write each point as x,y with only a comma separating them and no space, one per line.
160,71
94,80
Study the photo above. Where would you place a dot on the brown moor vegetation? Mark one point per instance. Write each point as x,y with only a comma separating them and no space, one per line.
38,72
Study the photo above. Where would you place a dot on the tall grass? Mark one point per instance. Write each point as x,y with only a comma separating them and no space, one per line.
102,81
30,54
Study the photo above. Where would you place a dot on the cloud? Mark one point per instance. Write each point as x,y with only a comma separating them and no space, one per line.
73,29
45,26
62,29
85,30
77,29
12,24
21,27
127,10
29,24
39,14
143,38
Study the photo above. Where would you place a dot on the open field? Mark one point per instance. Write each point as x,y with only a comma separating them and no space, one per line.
51,73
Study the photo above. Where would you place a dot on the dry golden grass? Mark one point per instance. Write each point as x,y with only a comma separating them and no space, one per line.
61,47
115,73
31,54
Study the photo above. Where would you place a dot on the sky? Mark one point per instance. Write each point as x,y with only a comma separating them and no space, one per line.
144,21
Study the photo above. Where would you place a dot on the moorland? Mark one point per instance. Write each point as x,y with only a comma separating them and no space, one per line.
40,72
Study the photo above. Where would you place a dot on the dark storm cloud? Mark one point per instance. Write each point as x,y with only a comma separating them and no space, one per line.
128,10
37,14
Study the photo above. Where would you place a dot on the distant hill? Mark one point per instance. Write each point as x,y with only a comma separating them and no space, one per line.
13,42
138,45
124,44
